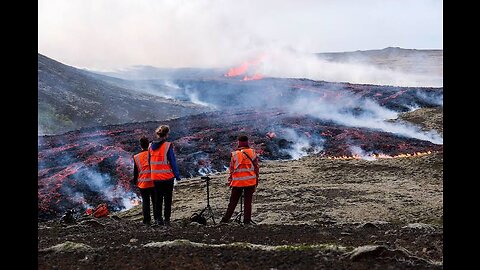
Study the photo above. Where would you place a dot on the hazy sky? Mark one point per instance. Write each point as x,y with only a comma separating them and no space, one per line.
111,34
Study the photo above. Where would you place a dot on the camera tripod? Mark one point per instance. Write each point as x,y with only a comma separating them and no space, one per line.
208,209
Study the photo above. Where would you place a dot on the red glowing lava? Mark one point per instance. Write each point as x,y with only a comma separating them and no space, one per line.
244,67
237,71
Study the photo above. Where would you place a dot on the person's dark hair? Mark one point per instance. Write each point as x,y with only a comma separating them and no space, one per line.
144,142
242,138
162,131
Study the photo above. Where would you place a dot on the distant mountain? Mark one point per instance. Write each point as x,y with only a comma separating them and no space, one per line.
70,98
395,58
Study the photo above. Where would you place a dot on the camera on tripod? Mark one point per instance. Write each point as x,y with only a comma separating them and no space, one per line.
207,212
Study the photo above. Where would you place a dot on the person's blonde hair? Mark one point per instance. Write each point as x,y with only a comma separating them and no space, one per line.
162,131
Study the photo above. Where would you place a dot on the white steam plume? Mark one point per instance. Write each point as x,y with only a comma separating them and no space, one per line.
302,145
101,183
434,99
372,116
193,97
358,151
288,64
211,33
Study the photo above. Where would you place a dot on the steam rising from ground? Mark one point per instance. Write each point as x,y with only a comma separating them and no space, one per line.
287,64
302,145
193,97
331,102
103,184
88,183
434,99
358,151
354,111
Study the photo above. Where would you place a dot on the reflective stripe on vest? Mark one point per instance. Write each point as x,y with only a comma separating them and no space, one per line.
161,171
245,170
244,178
141,160
160,168
243,174
159,162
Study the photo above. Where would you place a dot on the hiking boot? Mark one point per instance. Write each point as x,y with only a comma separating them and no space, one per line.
167,223
146,223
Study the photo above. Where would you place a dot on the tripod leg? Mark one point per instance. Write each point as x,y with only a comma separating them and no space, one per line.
238,218
211,214
241,207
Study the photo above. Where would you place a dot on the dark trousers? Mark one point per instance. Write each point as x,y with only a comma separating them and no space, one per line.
247,202
147,195
163,192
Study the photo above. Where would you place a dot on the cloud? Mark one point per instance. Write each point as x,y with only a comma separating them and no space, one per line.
111,34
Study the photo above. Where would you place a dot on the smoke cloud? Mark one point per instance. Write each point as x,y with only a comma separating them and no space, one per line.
81,185
100,183
358,151
333,102
285,64
431,97
112,34
368,114
302,145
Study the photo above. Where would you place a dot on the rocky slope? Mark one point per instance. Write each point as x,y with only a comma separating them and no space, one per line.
427,118
69,98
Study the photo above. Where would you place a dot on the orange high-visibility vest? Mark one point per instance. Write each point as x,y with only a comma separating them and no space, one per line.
243,174
141,160
160,168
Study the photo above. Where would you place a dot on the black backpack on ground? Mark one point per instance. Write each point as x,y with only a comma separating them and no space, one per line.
198,219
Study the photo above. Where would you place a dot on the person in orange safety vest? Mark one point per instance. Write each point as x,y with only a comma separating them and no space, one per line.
243,177
164,173
142,179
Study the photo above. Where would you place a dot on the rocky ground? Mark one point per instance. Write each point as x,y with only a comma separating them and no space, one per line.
426,118
312,213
